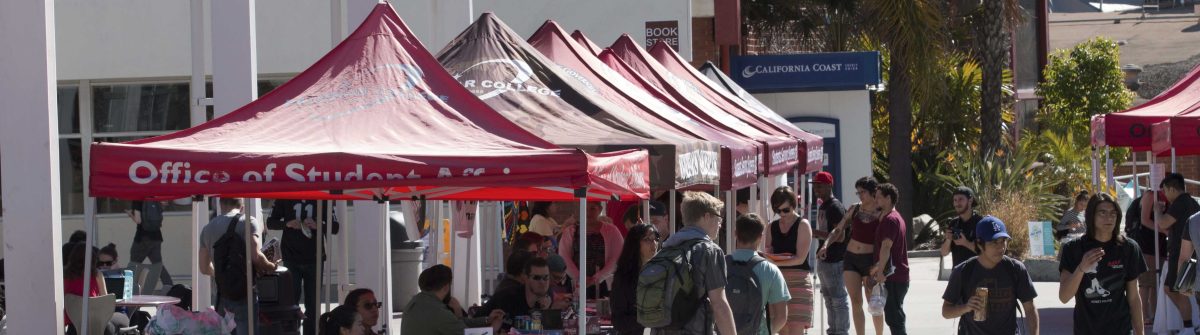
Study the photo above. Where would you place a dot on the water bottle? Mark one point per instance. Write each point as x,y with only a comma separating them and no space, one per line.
878,300
536,323
128,291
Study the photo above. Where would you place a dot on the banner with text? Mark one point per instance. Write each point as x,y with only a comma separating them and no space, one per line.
807,72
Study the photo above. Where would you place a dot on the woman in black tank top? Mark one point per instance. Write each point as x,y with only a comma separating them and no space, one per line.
787,244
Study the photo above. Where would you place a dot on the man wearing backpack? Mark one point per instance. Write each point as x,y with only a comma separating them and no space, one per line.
689,303
754,285
1007,283
148,238
298,221
223,257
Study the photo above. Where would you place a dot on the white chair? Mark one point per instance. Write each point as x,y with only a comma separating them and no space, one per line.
100,312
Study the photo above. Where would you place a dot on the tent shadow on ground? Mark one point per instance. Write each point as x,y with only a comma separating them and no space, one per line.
1056,320
1192,29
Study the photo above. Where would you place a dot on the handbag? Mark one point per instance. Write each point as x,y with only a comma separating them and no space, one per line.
1185,281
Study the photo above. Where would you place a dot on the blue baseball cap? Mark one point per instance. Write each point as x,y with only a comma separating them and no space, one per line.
990,228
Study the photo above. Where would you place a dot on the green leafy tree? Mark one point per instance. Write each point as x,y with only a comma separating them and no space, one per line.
1080,83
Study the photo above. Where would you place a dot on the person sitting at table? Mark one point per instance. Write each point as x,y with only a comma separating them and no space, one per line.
367,306
513,268
73,277
560,283
434,312
343,320
108,257
534,295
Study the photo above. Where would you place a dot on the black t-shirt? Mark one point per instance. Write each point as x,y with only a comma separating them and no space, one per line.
511,301
960,253
1007,283
1101,306
828,216
296,247
1181,209
140,234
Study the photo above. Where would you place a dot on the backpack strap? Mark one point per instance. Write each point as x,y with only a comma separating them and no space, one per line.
233,223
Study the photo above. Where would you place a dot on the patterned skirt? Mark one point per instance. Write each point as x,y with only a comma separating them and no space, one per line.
800,308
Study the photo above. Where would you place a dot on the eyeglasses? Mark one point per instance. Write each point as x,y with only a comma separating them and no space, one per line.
1107,214
108,263
375,305
540,277
650,239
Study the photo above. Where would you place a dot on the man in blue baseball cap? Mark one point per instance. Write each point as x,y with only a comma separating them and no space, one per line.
1005,279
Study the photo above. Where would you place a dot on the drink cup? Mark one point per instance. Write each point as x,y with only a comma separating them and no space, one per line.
982,292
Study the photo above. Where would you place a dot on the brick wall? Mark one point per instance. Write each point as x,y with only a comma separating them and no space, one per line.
1189,166
704,41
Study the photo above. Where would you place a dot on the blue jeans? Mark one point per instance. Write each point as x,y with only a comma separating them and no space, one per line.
837,300
240,315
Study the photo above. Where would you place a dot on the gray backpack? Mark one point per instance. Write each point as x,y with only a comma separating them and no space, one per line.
744,292
667,296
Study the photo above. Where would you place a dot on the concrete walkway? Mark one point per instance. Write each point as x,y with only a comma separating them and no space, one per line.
923,305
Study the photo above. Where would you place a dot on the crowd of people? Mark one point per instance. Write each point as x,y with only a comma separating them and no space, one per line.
763,284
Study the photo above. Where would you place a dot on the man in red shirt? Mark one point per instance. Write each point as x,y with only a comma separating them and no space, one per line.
891,254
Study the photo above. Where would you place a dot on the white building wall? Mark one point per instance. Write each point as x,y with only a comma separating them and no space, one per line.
852,109
116,39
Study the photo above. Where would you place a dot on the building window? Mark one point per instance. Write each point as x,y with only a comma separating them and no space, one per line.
68,109
70,172
140,107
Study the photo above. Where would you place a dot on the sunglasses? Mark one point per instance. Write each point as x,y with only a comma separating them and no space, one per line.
375,305
540,277
784,210
108,263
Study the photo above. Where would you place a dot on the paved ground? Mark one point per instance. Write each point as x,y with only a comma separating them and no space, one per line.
923,304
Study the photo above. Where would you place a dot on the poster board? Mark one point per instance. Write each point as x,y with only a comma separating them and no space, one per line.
1041,238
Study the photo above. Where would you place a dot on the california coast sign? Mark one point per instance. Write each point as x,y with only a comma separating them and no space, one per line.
807,72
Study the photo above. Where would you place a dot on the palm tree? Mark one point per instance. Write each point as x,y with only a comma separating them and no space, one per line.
991,30
996,16
911,32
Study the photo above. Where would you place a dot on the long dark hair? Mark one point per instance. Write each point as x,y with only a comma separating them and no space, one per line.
1089,217
630,262
334,321
75,264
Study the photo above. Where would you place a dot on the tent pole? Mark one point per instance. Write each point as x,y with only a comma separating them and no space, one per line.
248,230
645,211
385,292
201,287
582,261
1107,169
671,207
343,248
1137,192
730,216
1172,159
320,273
87,270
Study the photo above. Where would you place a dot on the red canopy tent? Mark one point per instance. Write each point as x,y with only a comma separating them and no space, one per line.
558,47
376,116
1132,127
781,154
762,117
815,158
512,77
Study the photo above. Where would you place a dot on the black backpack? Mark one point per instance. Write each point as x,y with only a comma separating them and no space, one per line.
152,216
744,292
229,262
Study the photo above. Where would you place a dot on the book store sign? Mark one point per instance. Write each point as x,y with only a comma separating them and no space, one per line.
666,31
